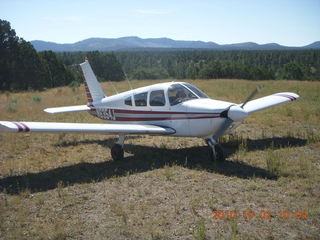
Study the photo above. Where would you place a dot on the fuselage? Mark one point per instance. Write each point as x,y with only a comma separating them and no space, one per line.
177,105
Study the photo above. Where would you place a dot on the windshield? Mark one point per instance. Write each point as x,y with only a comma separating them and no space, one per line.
196,90
178,93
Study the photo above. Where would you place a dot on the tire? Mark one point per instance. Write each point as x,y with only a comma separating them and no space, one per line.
117,152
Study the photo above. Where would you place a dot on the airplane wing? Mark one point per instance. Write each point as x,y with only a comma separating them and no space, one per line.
269,101
67,109
54,127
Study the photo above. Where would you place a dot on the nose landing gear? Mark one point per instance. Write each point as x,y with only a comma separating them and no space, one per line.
216,151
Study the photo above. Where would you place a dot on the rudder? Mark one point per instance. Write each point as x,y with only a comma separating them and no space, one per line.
93,89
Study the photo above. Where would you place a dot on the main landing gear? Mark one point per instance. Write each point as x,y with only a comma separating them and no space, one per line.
216,151
117,149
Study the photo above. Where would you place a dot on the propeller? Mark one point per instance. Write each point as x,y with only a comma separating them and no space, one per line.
236,112
253,93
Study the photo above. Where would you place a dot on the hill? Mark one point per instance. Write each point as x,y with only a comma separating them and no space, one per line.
125,43
315,45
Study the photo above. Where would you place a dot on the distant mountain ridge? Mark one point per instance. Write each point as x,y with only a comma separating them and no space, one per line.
127,43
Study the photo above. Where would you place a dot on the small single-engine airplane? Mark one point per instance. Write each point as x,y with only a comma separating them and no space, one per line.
174,108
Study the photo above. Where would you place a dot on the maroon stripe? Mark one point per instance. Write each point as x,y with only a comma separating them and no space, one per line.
159,112
292,98
88,93
89,97
26,128
20,128
161,118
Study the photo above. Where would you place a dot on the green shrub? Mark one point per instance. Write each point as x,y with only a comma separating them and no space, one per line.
36,99
12,105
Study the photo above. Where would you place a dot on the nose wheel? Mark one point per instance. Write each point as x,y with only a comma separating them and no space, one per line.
216,151
117,152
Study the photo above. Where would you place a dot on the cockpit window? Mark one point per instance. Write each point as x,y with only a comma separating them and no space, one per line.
178,93
141,99
196,90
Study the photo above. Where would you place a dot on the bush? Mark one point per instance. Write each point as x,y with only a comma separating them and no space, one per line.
36,99
12,105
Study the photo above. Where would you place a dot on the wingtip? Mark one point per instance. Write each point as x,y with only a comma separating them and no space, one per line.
48,110
290,95
6,126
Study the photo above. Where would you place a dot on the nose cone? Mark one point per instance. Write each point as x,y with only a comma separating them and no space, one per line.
237,113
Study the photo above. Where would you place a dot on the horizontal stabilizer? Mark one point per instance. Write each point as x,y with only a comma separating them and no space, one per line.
67,109
53,127
269,101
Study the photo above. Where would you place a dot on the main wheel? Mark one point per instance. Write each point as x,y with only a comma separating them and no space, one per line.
117,152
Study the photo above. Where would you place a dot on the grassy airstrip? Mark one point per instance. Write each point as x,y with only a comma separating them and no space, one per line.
65,186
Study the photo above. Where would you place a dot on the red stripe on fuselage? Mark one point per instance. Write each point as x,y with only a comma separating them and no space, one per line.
155,112
137,119
136,115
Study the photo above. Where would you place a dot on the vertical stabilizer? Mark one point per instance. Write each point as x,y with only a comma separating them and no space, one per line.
93,88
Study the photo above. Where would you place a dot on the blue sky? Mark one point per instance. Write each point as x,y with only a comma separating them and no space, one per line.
287,22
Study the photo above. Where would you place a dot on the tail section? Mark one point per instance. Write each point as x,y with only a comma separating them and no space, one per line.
92,86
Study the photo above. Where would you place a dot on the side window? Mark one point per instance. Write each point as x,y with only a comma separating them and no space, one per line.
141,99
157,98
128,101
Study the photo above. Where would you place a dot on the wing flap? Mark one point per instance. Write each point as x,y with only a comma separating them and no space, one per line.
67,109
54,127
269,101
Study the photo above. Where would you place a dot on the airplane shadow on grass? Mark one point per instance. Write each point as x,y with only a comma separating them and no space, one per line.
145,158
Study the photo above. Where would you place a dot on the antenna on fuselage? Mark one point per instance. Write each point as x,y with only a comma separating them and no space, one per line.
128,81
114,88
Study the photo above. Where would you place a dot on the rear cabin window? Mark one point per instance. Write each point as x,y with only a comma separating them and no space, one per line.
157,98
128,101
141,99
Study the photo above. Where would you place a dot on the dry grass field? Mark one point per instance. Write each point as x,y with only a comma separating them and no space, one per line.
65,186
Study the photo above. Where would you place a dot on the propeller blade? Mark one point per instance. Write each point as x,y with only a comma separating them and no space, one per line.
228,122
253,93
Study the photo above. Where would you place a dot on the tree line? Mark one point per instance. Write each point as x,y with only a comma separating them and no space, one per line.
208,64
203,64
23,68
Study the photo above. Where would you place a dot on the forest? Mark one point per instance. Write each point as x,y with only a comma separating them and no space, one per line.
23,68
209,64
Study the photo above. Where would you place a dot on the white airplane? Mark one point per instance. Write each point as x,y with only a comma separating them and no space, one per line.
176,109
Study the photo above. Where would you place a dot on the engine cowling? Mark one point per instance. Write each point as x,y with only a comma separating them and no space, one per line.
236,113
